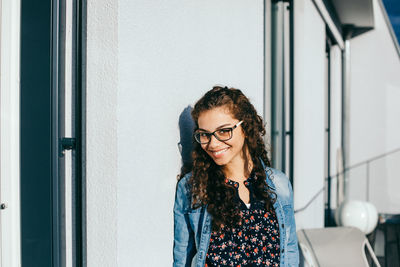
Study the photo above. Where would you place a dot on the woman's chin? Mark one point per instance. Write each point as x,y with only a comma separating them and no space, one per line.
220,161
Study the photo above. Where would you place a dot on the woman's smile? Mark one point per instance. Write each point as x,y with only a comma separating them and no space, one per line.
219,152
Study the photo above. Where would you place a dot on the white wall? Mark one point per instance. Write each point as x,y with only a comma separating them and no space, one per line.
101,132
147,62
309,113
10,247
374,114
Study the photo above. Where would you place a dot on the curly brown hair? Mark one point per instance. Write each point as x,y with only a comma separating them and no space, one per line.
208,186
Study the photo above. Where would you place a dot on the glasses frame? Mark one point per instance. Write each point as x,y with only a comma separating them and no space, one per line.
213,134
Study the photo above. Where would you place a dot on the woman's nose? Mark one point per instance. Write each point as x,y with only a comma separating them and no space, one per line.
213,141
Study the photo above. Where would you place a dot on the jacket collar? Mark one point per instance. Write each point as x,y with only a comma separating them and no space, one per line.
268,172
270,183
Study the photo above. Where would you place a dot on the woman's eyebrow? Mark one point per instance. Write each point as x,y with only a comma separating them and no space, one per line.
200,129
219,127
224,125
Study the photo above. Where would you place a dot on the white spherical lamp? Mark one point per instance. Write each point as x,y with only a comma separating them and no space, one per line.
360,214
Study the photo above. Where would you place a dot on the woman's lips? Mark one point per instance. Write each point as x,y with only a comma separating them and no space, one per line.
219,153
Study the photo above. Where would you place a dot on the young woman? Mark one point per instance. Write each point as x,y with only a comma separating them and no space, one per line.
232,209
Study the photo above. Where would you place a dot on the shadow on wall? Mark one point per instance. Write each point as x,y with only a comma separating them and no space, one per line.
186,126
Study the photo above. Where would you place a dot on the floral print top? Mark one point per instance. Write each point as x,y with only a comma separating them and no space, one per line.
254,243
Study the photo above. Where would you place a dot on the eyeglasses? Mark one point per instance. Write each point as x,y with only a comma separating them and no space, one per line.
223,134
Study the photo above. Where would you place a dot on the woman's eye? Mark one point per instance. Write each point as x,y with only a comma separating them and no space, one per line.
224,131
203,134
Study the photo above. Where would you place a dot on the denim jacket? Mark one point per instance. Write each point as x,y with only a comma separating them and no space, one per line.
192,227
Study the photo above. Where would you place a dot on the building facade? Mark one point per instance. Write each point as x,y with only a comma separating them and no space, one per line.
95,114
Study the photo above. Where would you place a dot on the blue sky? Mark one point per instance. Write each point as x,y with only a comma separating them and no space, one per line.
393,10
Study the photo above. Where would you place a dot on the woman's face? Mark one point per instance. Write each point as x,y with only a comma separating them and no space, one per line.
222,152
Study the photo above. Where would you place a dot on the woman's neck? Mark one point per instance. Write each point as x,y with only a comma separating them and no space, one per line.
238,170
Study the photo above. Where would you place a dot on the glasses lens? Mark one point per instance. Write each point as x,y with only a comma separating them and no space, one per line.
202,138
224,134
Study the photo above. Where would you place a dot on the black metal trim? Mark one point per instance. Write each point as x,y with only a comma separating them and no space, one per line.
66,143
359,30
79,86
334,16
291,92
328,212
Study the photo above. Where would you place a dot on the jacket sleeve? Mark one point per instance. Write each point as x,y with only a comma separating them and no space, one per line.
184,244
292,246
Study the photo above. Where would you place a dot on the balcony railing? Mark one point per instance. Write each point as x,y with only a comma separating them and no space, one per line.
376,180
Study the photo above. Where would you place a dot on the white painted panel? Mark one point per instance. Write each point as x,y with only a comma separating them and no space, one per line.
309,90
101,133
375,85
10,235
375,112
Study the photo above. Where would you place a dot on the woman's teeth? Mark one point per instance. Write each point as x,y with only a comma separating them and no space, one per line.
220,151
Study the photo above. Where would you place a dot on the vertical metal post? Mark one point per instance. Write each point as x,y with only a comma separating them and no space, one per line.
278,85
267,112
58,115
55,50
367,191
346,64
282,88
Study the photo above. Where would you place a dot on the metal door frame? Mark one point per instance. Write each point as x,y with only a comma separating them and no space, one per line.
42,131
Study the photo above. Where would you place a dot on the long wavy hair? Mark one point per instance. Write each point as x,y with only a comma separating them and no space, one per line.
208,186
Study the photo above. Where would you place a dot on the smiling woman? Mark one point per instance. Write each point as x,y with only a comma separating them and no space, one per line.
232,209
